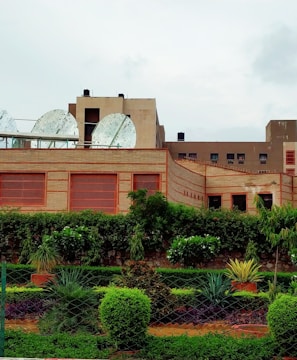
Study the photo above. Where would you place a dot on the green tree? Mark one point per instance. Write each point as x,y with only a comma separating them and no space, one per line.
151,212
279,225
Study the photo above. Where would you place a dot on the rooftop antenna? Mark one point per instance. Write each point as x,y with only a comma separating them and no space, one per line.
114,131
7,124
55,122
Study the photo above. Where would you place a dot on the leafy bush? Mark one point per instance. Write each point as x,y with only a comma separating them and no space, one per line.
125,315
282,321
193,250
73,306
162,222
142,276
77,243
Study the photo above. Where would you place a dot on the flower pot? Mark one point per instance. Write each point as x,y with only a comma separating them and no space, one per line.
244,286
41,279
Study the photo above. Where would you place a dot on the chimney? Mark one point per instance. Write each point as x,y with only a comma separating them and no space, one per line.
86,92
180,136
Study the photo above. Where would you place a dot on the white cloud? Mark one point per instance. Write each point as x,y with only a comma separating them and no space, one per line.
219,70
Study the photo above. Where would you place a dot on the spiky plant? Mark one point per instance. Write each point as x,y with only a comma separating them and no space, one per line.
45,258
243,271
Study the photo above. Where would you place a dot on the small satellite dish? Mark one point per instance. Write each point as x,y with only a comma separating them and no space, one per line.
55,122
114,131
7,124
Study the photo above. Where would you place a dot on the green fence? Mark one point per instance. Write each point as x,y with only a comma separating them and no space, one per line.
62,318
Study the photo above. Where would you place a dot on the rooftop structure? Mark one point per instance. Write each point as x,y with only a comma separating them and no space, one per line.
94,154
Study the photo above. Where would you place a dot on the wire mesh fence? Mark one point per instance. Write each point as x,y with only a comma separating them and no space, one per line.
190,303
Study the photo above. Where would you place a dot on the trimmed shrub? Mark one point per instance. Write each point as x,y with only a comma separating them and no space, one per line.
282,321
208,347
19,344
125,315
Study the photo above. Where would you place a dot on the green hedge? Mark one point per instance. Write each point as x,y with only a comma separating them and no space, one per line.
175,278
21,233
211,347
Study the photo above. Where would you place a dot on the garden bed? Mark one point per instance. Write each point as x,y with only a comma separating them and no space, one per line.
218,327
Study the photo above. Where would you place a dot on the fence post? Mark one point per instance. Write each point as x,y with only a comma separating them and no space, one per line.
2,308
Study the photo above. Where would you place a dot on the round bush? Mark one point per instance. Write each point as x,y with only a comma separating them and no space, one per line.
125,314
194,250
282,321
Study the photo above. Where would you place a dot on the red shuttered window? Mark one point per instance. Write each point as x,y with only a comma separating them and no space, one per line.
151,182
22,189
290,157
94,191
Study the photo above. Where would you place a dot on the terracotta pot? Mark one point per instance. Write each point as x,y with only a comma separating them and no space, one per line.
244,286
41,279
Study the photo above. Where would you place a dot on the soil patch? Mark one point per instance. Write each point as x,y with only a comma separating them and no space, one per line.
218,327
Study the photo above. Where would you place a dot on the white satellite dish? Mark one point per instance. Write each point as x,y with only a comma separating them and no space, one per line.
114,131
55,122
7,124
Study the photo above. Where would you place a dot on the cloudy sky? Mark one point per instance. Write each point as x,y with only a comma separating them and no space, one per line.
219,69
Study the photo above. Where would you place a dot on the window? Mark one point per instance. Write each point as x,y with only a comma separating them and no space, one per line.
91,120
230,158
214,202
150,182
93,191
263,158
290,157
193,155
22,189
214,157
239,202
267,200
182,156
263,171
290,171
240,158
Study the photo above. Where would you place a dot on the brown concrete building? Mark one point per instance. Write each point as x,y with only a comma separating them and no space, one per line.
276,154
98,174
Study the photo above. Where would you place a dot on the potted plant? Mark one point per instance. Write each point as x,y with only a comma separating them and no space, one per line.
244,275
45,258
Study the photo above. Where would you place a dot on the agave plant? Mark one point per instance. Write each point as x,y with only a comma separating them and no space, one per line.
217,289
243,271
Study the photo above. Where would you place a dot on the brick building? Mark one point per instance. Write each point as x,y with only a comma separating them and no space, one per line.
38,175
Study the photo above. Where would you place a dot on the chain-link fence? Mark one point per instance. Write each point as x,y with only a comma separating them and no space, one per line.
193,303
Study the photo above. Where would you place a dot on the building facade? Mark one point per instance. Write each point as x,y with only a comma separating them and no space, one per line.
226,175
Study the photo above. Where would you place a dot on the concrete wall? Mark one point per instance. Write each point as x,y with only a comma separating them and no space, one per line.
184,185
58,165
143,113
